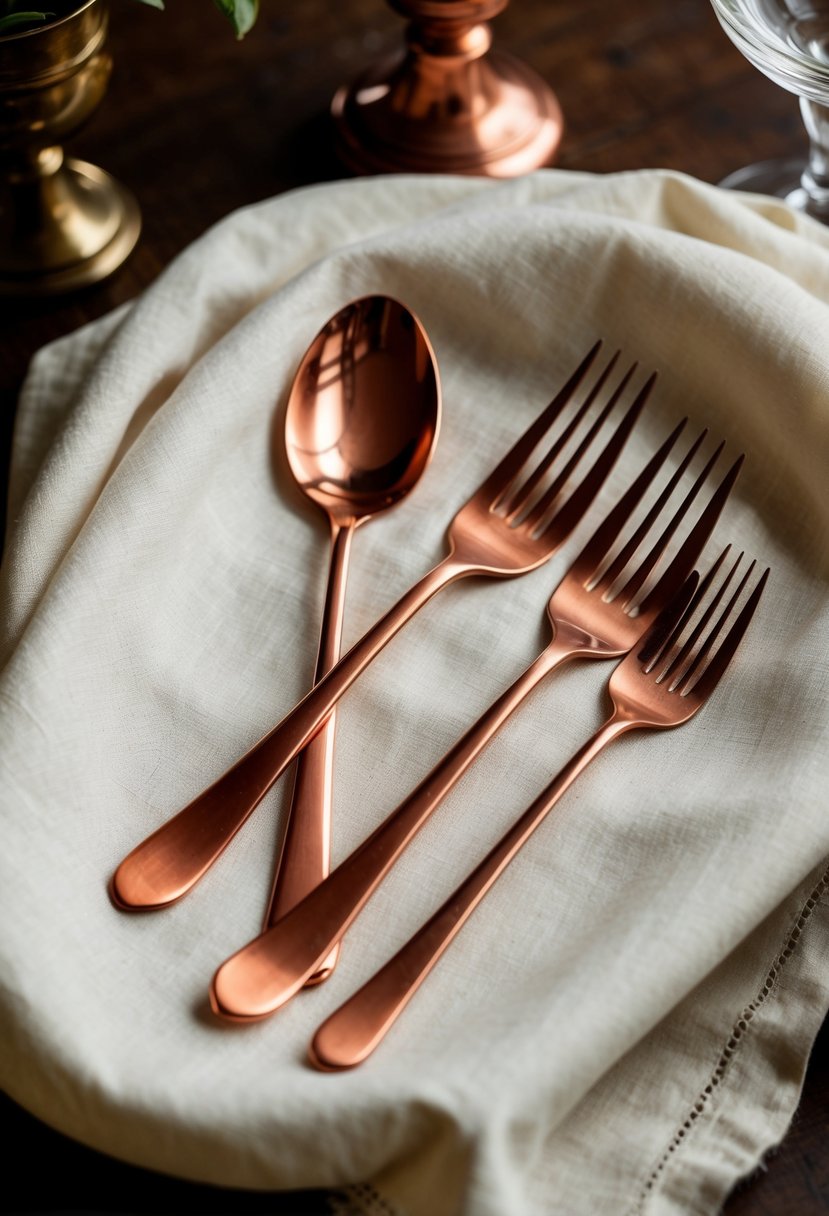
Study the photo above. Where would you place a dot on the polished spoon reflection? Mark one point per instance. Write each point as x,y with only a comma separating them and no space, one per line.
388,351
360,428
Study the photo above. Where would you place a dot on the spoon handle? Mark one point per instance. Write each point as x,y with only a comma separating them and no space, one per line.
166,865
304,859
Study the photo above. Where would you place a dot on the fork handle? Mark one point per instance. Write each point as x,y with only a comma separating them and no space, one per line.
166,865
353,1031
266,973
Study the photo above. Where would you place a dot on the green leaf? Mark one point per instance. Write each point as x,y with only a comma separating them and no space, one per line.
14,21
241,13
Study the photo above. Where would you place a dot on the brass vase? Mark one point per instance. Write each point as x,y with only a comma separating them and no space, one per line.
63,223
447,102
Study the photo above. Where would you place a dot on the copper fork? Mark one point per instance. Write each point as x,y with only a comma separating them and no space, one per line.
598,611
512,524
665,684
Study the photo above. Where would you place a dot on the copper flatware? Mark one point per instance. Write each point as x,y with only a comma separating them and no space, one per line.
360,427
600,610
663,685
512,524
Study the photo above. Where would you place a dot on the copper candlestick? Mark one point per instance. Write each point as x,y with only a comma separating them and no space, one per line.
447,102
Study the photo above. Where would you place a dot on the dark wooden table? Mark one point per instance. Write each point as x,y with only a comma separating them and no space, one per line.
198,125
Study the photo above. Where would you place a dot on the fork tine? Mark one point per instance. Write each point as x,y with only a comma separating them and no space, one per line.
569,514
652,654
607,533
521,494
712,674
688,670
616,567
694,542
667,623
637,580
685,664
501,476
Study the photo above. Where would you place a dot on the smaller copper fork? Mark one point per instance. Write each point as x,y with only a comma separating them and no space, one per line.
592,617
663,685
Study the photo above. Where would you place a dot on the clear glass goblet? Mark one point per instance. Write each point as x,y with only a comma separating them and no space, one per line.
788,40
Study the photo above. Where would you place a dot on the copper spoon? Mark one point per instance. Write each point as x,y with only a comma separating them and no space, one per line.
360,427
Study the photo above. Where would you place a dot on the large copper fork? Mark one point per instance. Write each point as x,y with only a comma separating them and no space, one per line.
512,524
663,685
600,610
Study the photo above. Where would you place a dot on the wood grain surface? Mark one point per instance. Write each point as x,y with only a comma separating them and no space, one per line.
198,125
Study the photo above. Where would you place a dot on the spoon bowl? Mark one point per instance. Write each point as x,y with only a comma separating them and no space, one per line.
363,412
360,427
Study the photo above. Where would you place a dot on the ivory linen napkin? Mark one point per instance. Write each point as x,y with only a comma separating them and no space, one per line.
623,1025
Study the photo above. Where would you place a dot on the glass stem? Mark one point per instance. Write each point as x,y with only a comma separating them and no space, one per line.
815,180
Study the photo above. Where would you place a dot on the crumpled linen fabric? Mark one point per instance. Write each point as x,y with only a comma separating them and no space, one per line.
623,1025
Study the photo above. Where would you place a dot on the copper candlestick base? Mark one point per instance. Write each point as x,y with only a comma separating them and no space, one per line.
447,103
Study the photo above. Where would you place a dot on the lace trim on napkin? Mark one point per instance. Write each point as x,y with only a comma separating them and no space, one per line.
360,1200
738,1033
364,1200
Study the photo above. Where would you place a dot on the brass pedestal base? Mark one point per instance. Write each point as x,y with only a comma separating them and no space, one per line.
66,229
